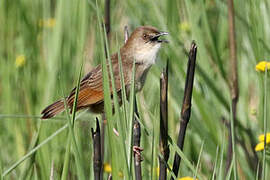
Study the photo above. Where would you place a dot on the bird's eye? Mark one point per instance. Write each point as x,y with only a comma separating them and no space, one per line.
144,35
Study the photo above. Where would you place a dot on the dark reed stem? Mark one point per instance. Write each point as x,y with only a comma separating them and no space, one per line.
163,140
186,106
234,77
107,20
97,151
136,144
102,139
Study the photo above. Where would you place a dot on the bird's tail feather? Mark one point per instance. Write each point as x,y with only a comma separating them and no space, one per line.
53,109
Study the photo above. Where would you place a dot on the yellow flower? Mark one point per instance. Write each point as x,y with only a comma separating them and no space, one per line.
261,66
261,138
48,23
107,168
20,61
259,147
186,178
184,26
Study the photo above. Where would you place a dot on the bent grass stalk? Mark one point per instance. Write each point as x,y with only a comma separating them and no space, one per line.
199,160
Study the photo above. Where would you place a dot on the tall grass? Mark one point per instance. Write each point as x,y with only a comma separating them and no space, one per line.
29,146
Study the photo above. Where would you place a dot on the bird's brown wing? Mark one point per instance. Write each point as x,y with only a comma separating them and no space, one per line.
91,89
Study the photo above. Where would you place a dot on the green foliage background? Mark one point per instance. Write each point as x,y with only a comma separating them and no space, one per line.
53,56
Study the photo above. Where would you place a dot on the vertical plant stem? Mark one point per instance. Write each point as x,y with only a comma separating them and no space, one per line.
71,121
233,146
131,117
67,159
264,123
163,140
103,124
97,151
186,106
234,78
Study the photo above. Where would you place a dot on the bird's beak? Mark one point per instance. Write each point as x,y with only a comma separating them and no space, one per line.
162,34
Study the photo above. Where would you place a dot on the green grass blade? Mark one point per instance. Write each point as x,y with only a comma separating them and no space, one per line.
220,174
264,124
123,91
66,159
108,104
116,106
131,116
215,165
1,172
257,172
77,154
228,176
183,157
199,159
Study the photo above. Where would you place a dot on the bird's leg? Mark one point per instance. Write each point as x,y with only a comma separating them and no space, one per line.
137,150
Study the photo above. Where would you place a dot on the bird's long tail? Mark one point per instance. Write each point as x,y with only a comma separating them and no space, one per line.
53,109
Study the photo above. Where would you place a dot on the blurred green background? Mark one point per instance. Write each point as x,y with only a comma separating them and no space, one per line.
43,44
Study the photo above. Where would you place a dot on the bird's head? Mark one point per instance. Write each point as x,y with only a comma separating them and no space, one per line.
145,42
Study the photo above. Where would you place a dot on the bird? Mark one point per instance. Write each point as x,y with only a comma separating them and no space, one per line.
142,47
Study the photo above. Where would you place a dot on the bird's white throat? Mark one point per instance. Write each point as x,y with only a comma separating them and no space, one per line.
147,55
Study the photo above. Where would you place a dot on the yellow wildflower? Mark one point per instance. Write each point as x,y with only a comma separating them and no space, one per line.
259,147
107,168
261,66
186,178
20,61
48,23
184,26
261,138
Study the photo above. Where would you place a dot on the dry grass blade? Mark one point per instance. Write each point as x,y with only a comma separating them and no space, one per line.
186,106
